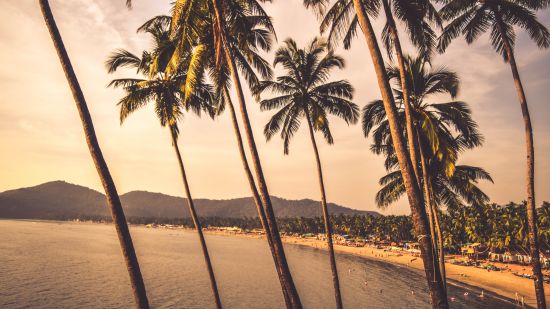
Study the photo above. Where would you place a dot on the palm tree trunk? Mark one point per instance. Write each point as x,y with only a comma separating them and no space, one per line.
266,200
117,213
432,214
437,290
196,221
328,227
530,171
405,88
255,194
411,140
441,246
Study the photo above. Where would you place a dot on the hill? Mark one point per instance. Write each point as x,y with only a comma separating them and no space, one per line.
59,199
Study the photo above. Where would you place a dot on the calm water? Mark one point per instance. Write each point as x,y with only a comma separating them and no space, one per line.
68,265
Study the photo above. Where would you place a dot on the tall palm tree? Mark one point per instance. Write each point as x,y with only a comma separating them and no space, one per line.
307,93
164,90
416,16
355,13
436,142
204,55
442,130
186,19
471,19
117,213
248,34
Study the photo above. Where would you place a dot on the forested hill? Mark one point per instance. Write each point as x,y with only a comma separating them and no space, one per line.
62,200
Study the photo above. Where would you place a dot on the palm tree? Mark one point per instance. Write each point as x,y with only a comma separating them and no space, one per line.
187,18
442,131
436,143
472,18
164,90
306,93
248,34
416,17
353,13
117,213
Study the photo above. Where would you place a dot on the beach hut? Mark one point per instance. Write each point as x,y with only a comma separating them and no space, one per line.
496,257
523,259
508,257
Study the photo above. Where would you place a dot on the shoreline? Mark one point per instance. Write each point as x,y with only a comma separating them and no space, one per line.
502,283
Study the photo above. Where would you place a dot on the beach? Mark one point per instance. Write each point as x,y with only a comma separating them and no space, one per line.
503,282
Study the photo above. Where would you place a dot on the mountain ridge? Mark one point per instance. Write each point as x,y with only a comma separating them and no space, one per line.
60,199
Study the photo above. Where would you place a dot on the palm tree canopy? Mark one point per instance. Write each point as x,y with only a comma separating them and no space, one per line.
248,30
445,129
471,18
417,16
306,91
155,85
455,191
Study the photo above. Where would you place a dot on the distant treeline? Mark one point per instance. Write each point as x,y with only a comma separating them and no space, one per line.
501,227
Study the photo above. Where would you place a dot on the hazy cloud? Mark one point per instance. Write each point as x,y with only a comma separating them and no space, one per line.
41,135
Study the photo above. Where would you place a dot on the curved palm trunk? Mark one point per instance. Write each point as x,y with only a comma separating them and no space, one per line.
530,171
326,217
437,290
117,213
441,246
196,222
432,213
429,208
285,275
411,141
255,194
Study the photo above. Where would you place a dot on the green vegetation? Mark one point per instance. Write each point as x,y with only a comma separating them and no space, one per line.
502,227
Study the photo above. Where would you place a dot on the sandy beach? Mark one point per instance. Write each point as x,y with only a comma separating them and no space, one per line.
503,282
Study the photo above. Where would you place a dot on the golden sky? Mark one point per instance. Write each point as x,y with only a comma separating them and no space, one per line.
41,136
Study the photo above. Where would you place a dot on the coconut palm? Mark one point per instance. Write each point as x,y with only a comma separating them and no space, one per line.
164,91
113,200
306,93
188,16
245,48
442,131
353,13
472,18
248,33
416,16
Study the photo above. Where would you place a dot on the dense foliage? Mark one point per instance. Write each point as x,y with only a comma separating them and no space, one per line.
502,227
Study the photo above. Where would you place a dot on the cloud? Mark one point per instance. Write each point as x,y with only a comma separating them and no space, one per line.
41,135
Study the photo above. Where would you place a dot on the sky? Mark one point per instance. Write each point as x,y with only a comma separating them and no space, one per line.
41,136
